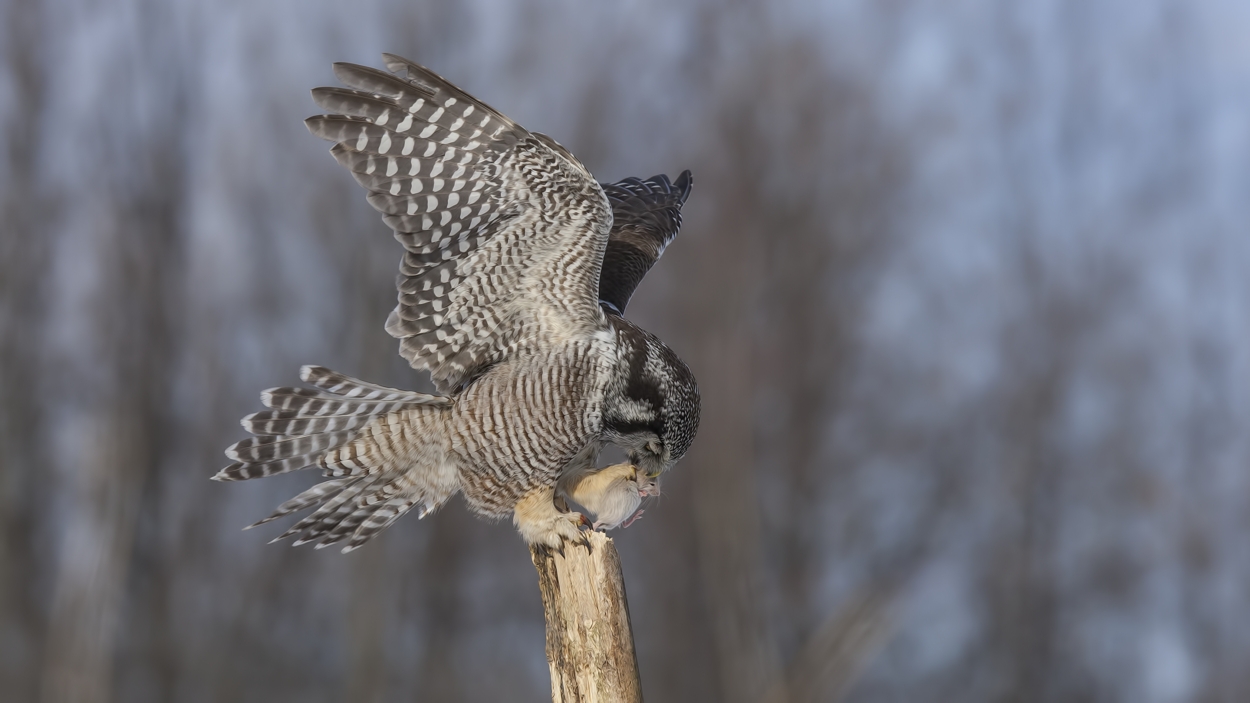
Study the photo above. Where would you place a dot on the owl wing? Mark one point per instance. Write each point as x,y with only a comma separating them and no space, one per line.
645,218
503,229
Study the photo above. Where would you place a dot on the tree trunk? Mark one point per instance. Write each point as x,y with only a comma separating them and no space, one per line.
590,645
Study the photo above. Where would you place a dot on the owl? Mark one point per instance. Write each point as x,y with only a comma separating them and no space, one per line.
516,272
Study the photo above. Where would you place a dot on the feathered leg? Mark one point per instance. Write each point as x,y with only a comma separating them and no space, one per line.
540,522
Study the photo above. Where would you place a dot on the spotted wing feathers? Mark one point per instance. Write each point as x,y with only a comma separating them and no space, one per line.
645,218
480,206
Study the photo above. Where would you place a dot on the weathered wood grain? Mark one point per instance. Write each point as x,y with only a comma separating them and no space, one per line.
590,644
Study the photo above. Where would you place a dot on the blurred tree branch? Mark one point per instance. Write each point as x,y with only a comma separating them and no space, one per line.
835,653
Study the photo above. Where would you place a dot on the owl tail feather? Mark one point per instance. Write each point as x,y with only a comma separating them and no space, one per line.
333,427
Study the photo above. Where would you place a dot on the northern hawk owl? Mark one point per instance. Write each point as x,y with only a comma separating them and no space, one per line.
516,272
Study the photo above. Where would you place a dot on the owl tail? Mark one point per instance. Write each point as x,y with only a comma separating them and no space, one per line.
344,426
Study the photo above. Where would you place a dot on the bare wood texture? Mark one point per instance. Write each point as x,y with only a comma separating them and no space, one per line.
590,644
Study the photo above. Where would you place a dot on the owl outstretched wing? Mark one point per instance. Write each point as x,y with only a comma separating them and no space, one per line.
504,230
645,218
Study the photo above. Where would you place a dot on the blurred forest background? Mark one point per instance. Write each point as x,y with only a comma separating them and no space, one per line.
964,285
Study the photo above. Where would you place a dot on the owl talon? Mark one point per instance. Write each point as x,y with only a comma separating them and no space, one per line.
540,522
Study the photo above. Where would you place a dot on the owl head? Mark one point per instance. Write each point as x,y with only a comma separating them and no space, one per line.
656,414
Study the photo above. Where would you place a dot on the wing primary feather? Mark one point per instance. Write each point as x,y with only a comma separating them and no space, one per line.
374,81
646,216
483,208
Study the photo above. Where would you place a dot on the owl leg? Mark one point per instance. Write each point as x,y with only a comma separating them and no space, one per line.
540,522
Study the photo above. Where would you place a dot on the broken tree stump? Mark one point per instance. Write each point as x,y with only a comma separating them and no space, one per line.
590,645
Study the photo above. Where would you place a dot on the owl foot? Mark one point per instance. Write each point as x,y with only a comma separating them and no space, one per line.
540,522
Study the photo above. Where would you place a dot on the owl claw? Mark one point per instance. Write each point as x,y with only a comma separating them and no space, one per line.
540,521
555,529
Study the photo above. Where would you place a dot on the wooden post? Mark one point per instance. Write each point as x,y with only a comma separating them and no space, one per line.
590,645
